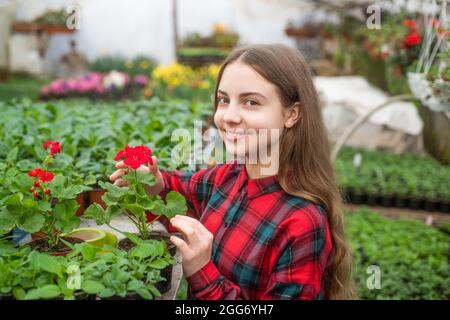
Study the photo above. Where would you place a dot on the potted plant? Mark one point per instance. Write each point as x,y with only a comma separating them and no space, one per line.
134,202
30,275
43,204
415,201
387,198
119,274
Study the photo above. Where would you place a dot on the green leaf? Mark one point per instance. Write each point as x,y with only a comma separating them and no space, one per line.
159,264
144,293
135,208
31,221
64,213
96,212
115,191
7,221
175,204
134,238
42,261
143,250
12,155
88,251
46,292
92,287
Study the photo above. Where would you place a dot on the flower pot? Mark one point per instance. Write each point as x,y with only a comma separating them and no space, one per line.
414,203
40,244
93,236
430,204
372,199
443,206
162,286
358,198
95,196
82,200
387,201
399,201
56,28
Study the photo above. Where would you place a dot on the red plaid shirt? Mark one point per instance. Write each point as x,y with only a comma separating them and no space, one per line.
267,243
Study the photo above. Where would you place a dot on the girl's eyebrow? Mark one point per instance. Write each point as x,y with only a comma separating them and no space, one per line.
244,94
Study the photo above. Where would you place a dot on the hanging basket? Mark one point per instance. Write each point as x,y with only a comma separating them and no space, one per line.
435,96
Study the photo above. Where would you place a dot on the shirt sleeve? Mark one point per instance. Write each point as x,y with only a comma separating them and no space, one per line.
296,274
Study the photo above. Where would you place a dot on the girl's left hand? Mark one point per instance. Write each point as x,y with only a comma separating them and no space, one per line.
197,248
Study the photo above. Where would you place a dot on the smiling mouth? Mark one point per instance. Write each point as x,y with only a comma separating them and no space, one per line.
233,135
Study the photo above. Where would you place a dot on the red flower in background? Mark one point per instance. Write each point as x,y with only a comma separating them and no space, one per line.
412,39
36,172
41,175
55,146
135,157
47,177
410,24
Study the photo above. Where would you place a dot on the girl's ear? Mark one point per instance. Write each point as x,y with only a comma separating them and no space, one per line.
293,115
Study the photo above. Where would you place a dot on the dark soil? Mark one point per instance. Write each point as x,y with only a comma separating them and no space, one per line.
41,245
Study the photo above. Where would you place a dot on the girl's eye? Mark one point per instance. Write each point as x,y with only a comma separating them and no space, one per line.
251,103
222,100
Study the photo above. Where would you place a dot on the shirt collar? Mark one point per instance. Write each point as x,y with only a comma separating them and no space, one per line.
256,187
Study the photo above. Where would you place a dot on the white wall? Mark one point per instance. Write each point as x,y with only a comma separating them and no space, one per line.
132,27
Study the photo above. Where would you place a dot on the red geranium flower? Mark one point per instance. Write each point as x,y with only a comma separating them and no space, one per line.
56,148
412,39
47,144
41,175
135,157
47,177
410,23
36,172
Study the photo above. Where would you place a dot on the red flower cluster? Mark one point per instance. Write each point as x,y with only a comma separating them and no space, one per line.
135,157
413,38
410,23
55,146
43,176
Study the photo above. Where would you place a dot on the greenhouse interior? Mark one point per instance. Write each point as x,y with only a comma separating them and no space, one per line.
131,140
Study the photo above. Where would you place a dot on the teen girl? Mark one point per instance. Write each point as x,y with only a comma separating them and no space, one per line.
254,235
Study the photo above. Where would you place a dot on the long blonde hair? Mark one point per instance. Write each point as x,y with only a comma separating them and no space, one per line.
305,166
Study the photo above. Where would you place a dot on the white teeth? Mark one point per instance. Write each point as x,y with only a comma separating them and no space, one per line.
234,134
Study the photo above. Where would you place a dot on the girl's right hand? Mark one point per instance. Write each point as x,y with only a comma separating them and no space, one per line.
122,169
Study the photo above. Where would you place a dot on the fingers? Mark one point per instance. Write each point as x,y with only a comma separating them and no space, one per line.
117,174
193,223
121,165
181,244
121,183
153,167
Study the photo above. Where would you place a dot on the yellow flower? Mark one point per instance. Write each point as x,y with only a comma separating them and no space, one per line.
148,92
219,28
144,65
129,64
204,84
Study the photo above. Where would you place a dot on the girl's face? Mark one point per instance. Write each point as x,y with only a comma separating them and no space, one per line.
247,103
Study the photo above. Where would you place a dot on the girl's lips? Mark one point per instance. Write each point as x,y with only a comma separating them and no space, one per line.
234,135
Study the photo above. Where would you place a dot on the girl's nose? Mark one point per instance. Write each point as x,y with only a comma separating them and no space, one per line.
232,114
